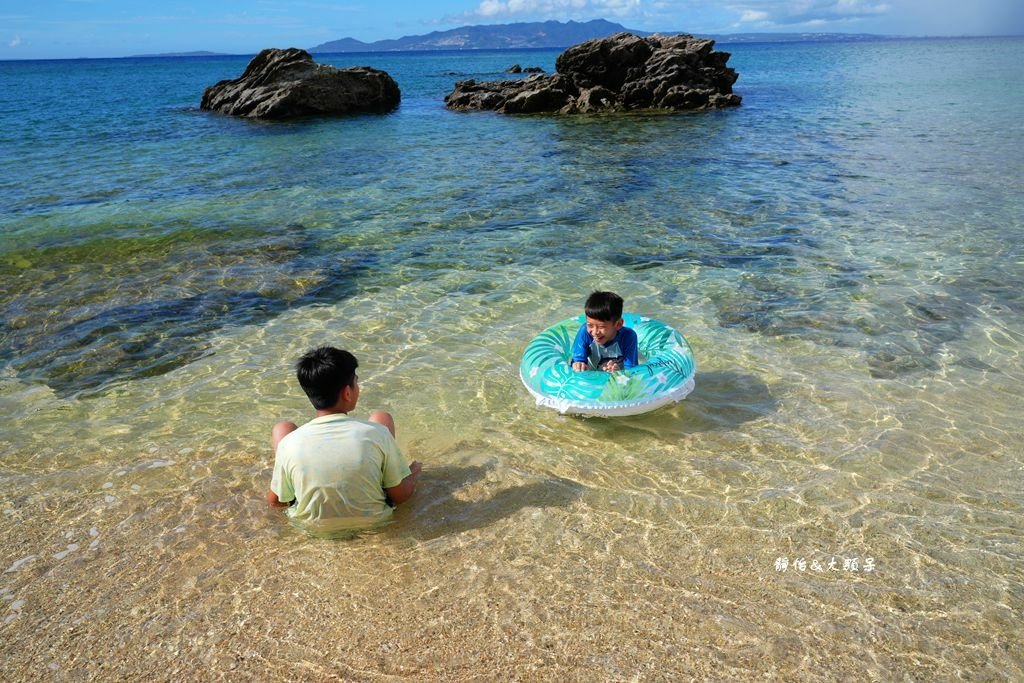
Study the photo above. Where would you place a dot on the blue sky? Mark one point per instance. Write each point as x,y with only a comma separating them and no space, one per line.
54,29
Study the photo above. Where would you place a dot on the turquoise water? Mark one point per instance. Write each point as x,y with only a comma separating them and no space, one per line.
843,252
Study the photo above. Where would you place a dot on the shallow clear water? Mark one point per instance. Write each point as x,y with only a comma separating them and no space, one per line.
843,252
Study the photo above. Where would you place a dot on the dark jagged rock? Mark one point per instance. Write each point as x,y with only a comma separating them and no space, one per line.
516,69
620,73
284,84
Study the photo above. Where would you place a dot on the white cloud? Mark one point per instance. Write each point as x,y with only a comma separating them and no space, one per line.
808,13
751,16
554,8
490,8
16,42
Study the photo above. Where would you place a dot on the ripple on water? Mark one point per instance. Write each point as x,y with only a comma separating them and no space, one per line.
851,288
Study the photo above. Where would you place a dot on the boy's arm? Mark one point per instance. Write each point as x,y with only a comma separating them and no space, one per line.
581,349
274,501
403,492
280,483
630,351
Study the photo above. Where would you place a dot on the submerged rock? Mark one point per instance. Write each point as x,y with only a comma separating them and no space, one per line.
620,73
284,84
516,69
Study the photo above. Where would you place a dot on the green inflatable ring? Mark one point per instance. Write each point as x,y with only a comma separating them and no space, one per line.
665,375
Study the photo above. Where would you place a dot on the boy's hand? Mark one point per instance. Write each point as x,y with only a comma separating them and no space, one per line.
579,366
611,366
396,495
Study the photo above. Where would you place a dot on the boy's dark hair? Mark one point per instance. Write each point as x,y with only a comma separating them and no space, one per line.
324,372
605,306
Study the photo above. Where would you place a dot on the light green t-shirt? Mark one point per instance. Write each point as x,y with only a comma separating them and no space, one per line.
336,468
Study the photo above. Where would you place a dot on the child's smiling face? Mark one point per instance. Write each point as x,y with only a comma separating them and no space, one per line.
603,331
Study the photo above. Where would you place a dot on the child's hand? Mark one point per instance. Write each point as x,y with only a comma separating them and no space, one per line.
579,366
611,366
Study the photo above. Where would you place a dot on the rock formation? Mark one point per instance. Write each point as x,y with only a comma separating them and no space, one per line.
615,74
284,84
516,69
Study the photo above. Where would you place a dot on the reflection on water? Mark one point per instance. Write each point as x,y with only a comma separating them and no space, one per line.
840,497
535,540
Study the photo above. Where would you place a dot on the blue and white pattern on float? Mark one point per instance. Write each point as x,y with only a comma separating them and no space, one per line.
665,376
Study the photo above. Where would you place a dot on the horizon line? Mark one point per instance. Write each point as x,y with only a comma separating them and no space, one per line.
719,37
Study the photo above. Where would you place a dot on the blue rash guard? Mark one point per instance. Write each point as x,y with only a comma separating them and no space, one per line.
622,349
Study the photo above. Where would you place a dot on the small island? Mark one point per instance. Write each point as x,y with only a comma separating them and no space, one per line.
621,73
285,84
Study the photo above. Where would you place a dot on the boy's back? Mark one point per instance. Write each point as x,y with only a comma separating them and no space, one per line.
336,467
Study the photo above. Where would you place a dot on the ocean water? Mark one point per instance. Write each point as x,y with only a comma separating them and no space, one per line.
841,497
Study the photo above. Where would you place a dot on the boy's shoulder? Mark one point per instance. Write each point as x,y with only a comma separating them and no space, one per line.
331,424
316,432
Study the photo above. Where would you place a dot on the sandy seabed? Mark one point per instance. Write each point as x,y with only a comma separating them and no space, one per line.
690,543
488,574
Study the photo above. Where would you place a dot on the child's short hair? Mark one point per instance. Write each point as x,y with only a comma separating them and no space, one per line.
604,306
324,372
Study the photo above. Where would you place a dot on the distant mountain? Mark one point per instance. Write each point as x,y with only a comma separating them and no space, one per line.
553,34
545,34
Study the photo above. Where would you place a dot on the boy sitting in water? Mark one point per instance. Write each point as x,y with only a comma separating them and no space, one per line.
337,472
603,343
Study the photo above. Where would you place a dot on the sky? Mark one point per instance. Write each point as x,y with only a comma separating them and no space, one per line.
63,29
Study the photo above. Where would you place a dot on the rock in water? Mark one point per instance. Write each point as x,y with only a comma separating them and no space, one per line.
619,73
284,84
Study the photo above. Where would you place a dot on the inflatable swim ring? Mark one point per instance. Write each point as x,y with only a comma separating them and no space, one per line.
664,376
